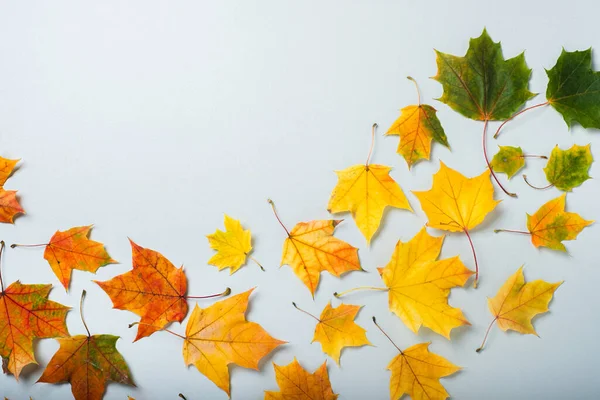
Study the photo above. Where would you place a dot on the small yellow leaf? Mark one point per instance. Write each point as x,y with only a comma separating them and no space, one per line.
295,383
233,245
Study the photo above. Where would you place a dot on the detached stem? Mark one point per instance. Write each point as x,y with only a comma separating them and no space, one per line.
511,231
486,336
257,263
487,161
1,251
305,312
336,294
373,129
277,216
536,187
417,86
166,330
474,258
517,114
387,336
226,292
81,313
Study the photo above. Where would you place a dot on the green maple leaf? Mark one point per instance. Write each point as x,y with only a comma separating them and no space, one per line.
574,88
482,85
567,169
508,160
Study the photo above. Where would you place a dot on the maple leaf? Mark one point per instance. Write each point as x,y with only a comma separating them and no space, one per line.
27,314
551,224
336,329
154,289
517,302
9,205
365,191
574,88
417,126
567,169
296,383
484,86
417,372
71,249
456,203
233,246
87,362
310,248
220,335
508,160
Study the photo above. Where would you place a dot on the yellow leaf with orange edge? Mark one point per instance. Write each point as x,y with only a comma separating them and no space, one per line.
295,383
365,191
219,335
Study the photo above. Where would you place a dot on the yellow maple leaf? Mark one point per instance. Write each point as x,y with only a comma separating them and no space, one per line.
6,169
365,191
336,329
417,126
296,383
310,248
417,372
233,246
220,335
517,302
456,203
551,224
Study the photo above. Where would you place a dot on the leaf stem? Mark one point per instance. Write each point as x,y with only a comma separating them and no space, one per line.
2,245
533,156
536,187
305,312
166,330
417,86
386,335
277,216
12,246
373,129
487,332
511,231
256,261
338,295
226,292
487,161
517,114
474,258
81,312
182,396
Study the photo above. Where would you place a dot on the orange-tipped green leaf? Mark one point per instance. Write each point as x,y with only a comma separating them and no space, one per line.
416,372
456,203
154,289
295,383
88,363
419,285
27,314
71,249
311,249
219,335
518,302
551,224
336,329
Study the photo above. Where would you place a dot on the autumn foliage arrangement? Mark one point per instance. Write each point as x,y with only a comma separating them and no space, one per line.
482,86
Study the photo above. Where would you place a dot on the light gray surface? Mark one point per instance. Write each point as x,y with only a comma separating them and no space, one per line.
151,119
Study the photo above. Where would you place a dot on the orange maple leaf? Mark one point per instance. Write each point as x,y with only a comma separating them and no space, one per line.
310,248
71,249
27,314
9,205
155,290
220,335
296,383
88,362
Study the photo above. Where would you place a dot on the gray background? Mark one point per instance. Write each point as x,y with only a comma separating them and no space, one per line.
151,119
